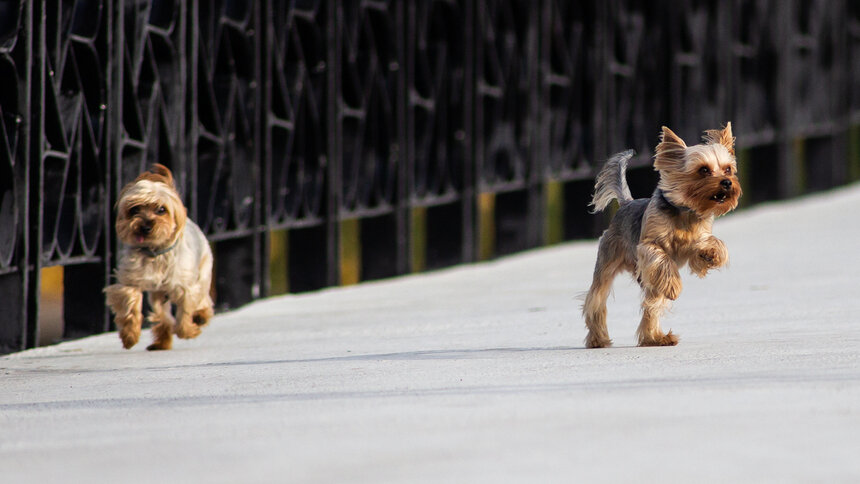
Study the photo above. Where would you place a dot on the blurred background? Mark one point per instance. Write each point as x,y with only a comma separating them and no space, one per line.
320,143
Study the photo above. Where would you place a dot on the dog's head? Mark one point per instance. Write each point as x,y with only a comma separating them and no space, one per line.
150,212
703,177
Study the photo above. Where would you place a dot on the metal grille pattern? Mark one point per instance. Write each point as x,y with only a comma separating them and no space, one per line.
225,124
297,133
422,129
72,134
15,72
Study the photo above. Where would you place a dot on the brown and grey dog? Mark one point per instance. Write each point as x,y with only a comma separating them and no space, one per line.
653,238
166,255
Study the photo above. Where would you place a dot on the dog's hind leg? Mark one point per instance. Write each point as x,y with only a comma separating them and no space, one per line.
185,327
609,263
203,313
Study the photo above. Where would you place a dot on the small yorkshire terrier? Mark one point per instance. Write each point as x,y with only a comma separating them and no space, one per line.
166,255
654,237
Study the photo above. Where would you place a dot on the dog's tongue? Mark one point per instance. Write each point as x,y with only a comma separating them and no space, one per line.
140,239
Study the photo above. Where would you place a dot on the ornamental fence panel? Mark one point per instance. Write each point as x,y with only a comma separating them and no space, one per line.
322,142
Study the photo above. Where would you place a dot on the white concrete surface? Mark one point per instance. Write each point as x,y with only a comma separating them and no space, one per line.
478,374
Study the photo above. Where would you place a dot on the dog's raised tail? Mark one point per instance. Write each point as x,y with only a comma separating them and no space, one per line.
611,182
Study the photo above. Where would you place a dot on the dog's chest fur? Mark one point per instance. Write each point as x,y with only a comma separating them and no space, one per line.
149,273
675,231
687,230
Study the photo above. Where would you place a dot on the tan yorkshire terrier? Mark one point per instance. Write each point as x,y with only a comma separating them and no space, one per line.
653,238
166,255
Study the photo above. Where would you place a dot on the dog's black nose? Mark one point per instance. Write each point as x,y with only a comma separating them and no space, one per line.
726,183
145,229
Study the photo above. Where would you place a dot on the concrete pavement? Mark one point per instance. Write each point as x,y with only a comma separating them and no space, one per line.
478,374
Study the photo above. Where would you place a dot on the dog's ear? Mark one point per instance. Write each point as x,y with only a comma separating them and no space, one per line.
158,173
670,152
721,136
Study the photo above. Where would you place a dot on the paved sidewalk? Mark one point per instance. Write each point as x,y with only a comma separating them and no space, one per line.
478,374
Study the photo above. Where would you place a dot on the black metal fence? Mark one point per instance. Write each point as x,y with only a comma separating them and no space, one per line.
366,139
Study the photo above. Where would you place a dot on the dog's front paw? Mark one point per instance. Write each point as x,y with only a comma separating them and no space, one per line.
705,260
668,339
710,257
130,335
129,328
711,254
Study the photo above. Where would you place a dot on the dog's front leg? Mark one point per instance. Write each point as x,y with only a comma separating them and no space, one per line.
126,303
649,332
711,253
657,272
661,282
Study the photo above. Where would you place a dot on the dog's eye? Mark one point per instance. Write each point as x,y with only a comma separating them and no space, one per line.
704,170
161,210
133,211
729,171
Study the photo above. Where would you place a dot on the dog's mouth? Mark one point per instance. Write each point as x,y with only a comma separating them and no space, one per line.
140,237
141,233
720,197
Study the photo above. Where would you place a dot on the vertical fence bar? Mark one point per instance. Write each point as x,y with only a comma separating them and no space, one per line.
34,245
333,194
16,58
469,170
